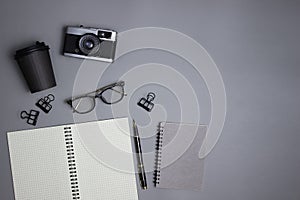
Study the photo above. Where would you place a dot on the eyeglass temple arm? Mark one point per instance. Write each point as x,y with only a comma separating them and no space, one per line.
101,89
121,92
121,83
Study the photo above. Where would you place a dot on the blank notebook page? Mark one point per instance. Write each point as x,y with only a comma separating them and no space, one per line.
98,177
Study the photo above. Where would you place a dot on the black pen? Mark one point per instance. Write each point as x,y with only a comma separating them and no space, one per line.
140,163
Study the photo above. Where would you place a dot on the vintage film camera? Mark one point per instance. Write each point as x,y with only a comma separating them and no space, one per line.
90,43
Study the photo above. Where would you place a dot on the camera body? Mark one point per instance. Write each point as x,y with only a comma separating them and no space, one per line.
90,43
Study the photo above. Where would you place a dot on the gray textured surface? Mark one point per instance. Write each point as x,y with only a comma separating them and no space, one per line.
187,170
255,45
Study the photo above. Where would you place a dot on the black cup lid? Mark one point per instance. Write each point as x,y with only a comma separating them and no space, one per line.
27,50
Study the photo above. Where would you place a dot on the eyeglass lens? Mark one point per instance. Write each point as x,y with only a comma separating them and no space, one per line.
83,104
112,95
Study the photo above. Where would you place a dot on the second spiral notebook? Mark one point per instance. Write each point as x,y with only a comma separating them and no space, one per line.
178,165
91,160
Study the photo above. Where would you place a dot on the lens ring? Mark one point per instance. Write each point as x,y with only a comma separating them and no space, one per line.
83,100
112,102
89,44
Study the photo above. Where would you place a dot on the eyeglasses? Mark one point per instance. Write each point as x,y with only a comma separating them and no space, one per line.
109,94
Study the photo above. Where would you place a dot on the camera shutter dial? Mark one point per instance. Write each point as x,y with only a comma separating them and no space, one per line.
89,44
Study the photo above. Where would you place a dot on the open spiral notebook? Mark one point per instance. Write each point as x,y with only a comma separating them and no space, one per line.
54,163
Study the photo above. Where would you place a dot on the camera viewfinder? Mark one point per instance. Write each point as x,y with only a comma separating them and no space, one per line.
104,34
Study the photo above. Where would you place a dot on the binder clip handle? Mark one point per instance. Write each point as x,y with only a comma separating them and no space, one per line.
49,98
150,96
24,114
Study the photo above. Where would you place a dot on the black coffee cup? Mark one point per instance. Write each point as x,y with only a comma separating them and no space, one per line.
35,64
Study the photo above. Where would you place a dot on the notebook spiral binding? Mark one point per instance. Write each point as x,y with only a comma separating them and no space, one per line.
158,149
71,162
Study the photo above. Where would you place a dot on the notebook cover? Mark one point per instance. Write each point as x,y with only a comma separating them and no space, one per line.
178,164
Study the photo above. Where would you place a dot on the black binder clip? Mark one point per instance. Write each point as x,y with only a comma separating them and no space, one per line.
31,117
44,103
147,103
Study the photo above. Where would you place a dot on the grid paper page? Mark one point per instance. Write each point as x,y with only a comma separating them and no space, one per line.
98,177
38,163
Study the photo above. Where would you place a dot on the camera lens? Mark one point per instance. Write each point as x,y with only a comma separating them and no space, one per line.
89,44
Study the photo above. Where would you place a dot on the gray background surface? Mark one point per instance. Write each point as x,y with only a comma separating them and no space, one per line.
255,45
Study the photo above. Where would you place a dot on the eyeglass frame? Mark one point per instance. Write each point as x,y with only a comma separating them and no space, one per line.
99,93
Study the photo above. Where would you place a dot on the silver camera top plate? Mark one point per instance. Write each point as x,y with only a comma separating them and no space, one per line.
81,30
